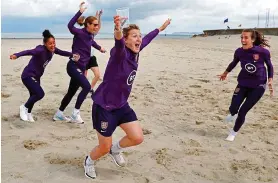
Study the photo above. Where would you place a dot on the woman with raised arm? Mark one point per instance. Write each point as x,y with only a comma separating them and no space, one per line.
83,40
110,108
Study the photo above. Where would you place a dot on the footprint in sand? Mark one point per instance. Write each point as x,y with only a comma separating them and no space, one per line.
54,158
146,131
7,75
204,80
10,118
195,86
178,91
233,151
247,167
195,152
33,144
161,157
5,95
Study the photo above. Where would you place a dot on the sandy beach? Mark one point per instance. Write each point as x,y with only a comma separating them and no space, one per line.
180,104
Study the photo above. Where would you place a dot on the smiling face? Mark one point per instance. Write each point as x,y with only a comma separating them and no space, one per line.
91,24
50,44
247,40
133,38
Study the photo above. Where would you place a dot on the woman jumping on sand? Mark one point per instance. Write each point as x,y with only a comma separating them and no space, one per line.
252,78
110,108
82,43
32,73
93,65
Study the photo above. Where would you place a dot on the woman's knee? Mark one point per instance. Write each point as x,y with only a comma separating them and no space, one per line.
137,138
40,95
97,75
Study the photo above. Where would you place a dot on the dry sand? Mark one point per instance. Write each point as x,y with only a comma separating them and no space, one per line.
180,104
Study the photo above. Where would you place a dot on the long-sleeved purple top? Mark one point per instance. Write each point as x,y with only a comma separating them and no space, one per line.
119,75
82,42
41,56
253,71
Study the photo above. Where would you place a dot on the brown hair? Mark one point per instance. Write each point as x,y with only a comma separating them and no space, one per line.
129,28
84,21
258,37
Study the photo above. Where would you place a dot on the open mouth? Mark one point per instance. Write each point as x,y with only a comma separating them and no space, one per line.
137,46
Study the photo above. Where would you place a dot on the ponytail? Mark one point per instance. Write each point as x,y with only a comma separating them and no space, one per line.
258,38
46,35
81,20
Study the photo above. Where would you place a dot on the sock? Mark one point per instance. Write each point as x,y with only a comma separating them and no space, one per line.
116,148
75,111
89,161
233,132
60,112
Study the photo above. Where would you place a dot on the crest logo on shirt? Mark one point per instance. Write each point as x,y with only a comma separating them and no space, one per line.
256,57
104,125
131,77
250,68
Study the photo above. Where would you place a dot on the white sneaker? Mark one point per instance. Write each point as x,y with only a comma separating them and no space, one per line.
118,158
23,111
76,118
59,116
89,169
30,117
230,118
231,137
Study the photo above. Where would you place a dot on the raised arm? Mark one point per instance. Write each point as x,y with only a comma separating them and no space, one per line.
118,49
32,52
63,53
98,16
74,19
150,36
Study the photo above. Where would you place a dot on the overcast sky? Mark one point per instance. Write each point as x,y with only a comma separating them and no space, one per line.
187,15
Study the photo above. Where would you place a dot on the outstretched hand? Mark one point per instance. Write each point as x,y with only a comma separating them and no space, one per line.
165,25
100,12
102,50
117,22
222,76
13,57
82,8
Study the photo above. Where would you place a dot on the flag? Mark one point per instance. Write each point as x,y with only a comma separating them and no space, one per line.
226,20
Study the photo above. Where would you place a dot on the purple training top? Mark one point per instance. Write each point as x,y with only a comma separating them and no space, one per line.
119,75
253,70
82,42
41,56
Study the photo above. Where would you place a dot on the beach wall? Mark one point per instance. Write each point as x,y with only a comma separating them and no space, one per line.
265,31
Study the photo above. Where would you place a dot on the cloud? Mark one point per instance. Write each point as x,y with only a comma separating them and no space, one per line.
187,15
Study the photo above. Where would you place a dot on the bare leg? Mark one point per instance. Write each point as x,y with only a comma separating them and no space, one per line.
97,76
